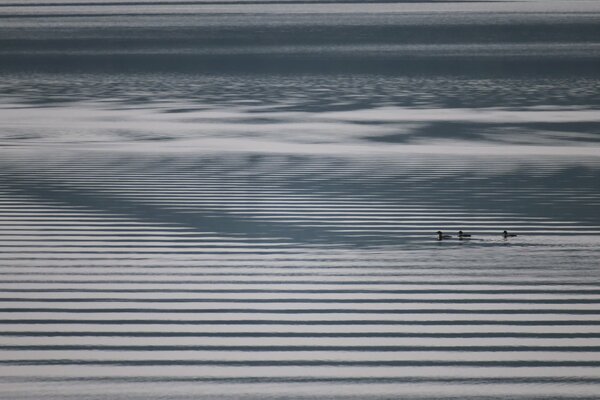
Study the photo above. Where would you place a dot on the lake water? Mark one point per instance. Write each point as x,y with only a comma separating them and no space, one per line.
239,200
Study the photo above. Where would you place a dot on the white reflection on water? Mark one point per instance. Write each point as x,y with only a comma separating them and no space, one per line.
267,129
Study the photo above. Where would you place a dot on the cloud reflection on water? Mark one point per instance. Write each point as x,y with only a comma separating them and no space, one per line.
539,130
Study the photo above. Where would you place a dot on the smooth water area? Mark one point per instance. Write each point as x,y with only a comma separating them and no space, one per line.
239,200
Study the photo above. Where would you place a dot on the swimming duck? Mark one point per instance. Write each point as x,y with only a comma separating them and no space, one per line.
441,236
462,235
505,234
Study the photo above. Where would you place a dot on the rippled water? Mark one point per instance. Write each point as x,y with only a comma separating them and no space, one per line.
239,200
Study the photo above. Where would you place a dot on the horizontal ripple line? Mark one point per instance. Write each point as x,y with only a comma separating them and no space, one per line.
295,311
390,291
571,335
315,282
471,282
309,379
294,322
307,363
301,300
146,348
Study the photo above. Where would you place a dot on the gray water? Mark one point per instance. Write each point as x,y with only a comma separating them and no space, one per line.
239,200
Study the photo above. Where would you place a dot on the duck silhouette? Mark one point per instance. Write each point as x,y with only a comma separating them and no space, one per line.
462,235
441,235
505,234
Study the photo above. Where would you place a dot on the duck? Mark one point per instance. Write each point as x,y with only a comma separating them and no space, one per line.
462,235
441,235
505,234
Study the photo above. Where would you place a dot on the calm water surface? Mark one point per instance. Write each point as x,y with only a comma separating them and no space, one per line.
239,200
